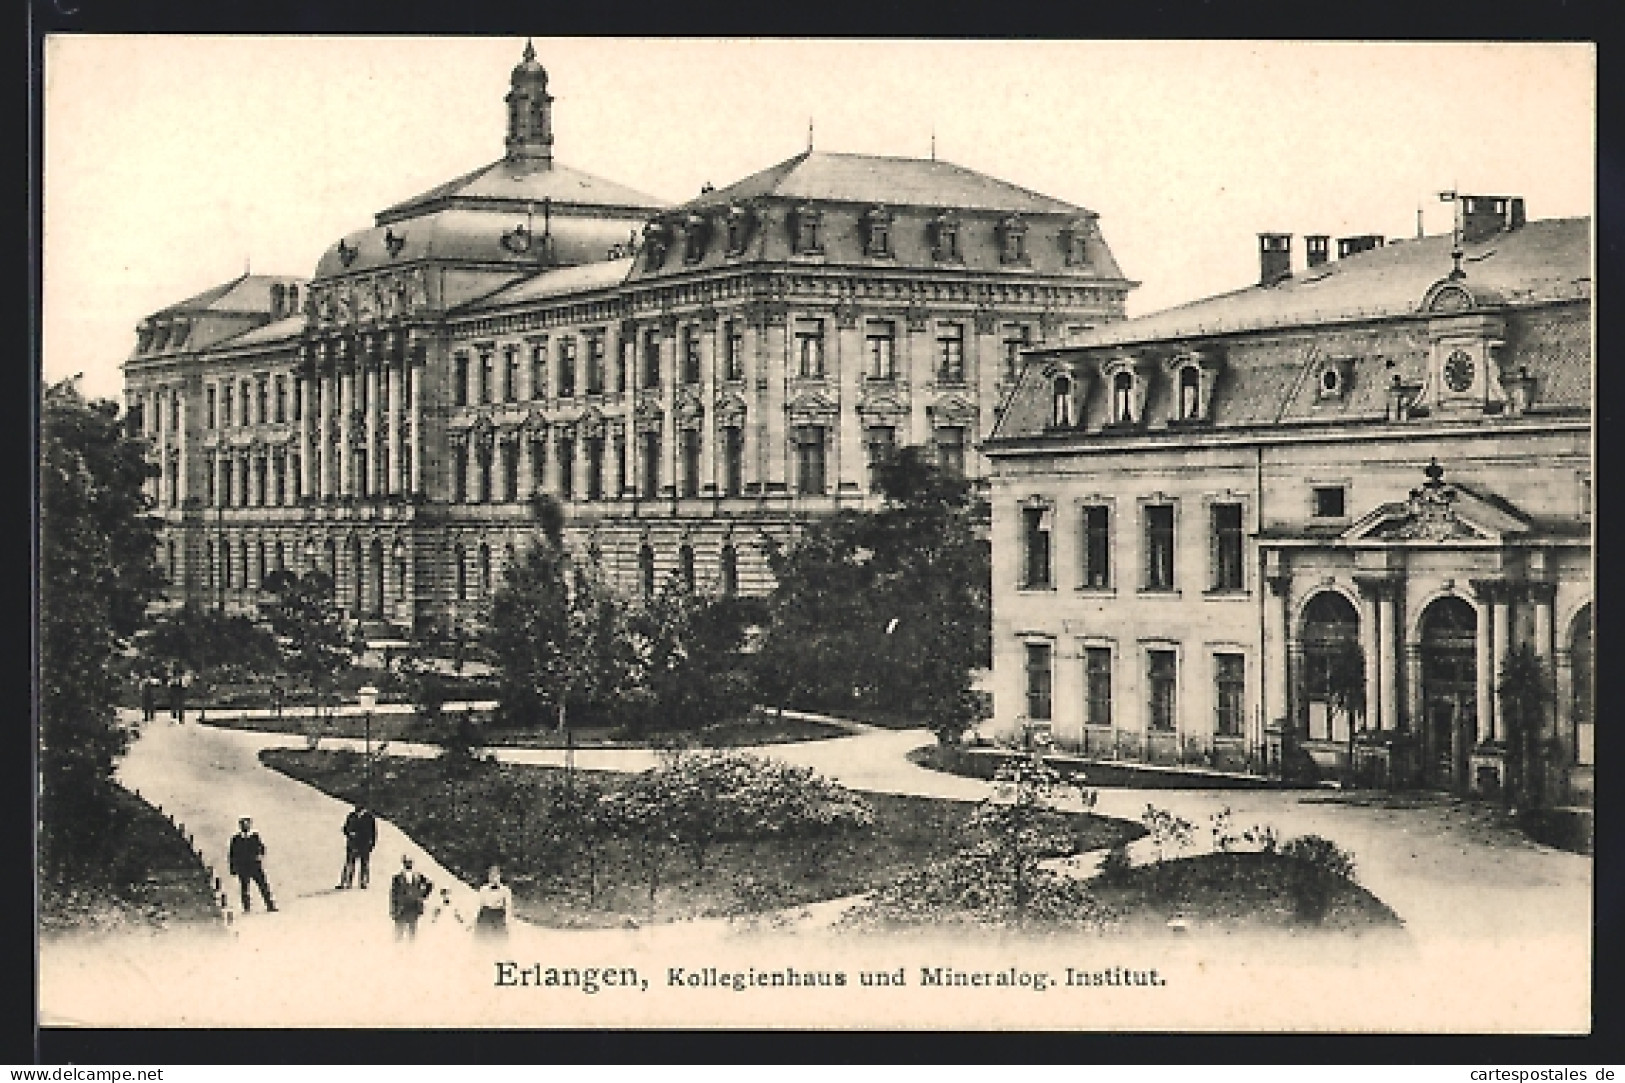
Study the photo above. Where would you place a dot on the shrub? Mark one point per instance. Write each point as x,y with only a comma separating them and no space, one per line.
1115,866
1319,866
1170,833
973,887
1322,854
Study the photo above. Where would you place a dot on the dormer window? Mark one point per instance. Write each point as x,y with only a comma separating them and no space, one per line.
1061,416
945,236
1123,399
1013,240
656,239
1075,243
1194,374
1190,393
1332,381
143,338
695,234
738,228
877,232
808,226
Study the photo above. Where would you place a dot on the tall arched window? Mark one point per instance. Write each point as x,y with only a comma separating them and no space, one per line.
225,562
646,570
1190,393
485,570
459,560
685,566
729,576
1123,398
1333,667
1063,402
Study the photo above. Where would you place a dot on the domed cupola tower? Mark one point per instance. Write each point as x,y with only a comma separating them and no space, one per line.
530,113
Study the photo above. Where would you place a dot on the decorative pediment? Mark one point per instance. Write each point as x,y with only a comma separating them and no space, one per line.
688,411
813,405
730,411
953,410
1440,512
882,405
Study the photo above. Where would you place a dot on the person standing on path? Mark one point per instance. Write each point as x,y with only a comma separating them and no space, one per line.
360,836
246,857
495,902
149,700
406,894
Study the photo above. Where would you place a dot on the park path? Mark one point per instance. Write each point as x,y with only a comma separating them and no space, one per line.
1464,885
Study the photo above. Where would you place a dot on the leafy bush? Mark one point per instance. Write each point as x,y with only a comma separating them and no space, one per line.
1114,867
1169,833
1322,854
1321,865
974,887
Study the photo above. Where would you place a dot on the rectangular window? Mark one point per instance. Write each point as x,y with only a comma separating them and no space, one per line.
459,474
1329,502
281,399
1159,547
951,354
538,465
279,466
298,398
510,471
209,414
1097,681
262,399
1097,547
810,349
651,358
246,403
736,351
487,377
881,340
951,450
538,370
510,374
213,482
1035,524
459,380
624,361
691,355
595,468
1230,693
733,458
651,465
1016,336
567,469
881,441
1227,547
691,462
1162,669
227,397
810,460
567,368
595,365
1039,681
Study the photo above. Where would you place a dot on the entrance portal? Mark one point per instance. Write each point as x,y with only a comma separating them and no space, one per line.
1449,691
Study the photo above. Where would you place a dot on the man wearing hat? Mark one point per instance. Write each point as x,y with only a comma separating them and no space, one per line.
246,857
406,894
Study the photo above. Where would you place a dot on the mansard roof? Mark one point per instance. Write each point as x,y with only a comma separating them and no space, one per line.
872,178
509,183
247,294
1542,260
603,274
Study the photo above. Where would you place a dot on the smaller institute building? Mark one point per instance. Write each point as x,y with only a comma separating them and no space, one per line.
1300,527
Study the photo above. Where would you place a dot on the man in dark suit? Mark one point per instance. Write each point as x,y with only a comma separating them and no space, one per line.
246,857
360,836
406,894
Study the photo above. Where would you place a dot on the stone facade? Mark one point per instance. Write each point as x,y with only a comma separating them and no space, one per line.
693,383
1237,534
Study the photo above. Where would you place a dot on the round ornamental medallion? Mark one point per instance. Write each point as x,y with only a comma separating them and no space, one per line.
1458,371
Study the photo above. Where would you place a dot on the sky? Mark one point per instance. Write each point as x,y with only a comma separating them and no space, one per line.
172,163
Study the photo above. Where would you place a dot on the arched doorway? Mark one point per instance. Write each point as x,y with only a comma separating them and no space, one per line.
1333,668
1582,659
375,580
1449,690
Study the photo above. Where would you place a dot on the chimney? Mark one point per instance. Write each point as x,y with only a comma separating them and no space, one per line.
1484,216
1353,246
1274,257
1317,246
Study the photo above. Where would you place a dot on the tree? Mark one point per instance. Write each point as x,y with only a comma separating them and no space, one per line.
556,631
308,627
1525,688
890,608
97,574
205,639
1345,687
687,647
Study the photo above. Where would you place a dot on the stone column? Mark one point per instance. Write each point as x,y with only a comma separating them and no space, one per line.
1276,623
921,377
412,370
1413,686
1483,591
392,465
1543,594
370,422
709,382
307,396
984,348
671,366
755,406
183,463
776,365
1387,611
1500,642
849,368
554,476
1371,633
346,412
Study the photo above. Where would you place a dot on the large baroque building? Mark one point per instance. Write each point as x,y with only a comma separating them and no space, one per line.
1239,532
693,382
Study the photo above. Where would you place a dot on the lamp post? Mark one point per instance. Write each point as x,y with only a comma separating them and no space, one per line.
369,700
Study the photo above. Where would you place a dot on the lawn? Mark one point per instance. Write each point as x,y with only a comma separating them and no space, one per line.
154,882
497,814
761,728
